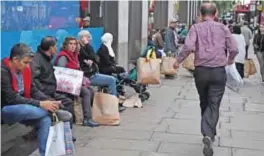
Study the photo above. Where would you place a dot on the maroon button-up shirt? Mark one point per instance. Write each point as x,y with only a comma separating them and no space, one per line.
209,40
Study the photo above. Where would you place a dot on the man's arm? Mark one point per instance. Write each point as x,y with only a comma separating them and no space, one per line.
231,45
11,97
37,94
36,73
189,45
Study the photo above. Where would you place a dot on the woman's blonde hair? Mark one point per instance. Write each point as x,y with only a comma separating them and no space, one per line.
85,33
67,41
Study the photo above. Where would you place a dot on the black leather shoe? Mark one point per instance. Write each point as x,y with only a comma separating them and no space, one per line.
90,123
73,139
121,108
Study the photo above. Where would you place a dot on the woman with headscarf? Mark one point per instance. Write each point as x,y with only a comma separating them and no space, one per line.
107,64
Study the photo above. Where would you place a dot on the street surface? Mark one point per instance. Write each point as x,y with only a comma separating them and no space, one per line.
169,124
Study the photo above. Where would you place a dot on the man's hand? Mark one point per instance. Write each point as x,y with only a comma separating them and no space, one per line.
230,62
51,106
176,65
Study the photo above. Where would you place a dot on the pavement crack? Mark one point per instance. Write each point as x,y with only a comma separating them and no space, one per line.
150,138
157,149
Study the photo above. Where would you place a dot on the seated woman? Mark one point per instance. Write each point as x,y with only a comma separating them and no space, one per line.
107,64
68,58
88,62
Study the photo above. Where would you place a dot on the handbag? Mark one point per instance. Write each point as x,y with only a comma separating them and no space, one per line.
89,71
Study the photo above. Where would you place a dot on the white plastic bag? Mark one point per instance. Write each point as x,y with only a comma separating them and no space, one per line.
234,80
55,144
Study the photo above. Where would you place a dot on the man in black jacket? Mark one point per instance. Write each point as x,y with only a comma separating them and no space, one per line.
21,101
43,72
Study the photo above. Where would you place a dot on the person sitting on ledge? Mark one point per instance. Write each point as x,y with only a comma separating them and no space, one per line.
21,101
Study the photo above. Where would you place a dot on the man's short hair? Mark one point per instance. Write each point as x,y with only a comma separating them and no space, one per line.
236,29
245,23
208,9
21,50
47,42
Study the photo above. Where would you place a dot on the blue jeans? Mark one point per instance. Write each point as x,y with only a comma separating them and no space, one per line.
104,80
25,113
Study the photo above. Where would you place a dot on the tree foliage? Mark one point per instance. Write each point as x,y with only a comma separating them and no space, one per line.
224,6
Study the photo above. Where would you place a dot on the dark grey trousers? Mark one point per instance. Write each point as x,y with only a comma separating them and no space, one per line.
87,95
210,84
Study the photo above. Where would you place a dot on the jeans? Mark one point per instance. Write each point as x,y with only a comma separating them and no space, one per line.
210,84
24,112
104,80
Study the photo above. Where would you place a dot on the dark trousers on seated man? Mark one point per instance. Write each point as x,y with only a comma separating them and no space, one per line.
210,83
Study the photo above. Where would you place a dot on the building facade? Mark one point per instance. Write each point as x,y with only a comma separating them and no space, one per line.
128,21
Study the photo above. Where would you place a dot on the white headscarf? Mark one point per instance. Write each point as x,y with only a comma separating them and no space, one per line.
107,40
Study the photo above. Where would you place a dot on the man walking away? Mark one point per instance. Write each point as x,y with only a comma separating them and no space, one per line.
247,33
209,40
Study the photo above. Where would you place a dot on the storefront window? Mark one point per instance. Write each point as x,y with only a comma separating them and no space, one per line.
32,15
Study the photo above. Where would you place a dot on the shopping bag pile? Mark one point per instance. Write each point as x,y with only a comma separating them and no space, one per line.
167,66
148,71
234,80
59,142
105,109
249,68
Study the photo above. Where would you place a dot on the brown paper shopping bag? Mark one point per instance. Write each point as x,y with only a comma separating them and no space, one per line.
148,71
105,109
167,66
78,111
188,63
249,68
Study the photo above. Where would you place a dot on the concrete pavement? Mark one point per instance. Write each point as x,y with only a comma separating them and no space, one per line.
169,124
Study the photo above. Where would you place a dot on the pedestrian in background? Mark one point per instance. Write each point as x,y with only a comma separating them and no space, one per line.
209,40
240,58
247,33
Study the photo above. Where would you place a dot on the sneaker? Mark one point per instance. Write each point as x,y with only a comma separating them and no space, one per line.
90,123
121,108
207,149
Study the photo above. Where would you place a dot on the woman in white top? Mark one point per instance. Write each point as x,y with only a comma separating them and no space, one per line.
240,58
